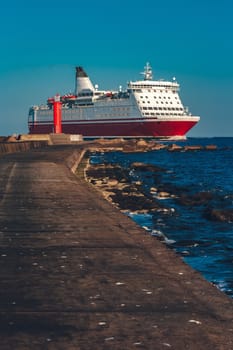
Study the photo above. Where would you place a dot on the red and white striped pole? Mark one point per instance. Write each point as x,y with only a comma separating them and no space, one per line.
57,114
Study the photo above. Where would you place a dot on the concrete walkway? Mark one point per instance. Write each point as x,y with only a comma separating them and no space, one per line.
77,274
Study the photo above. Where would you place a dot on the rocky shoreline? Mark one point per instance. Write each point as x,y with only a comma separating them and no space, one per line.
118,187
142,145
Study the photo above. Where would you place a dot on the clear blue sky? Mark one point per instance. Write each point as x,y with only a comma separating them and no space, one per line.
42,41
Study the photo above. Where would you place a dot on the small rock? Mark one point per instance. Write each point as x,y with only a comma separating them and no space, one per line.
174,147
223,215
211,147
109,339
195,321
164,194
112,182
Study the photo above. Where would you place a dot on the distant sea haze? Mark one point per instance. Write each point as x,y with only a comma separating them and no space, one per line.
197,222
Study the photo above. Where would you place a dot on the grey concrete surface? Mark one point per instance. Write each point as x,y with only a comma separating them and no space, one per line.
77,274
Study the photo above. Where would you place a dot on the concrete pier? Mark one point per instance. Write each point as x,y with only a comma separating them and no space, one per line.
76,273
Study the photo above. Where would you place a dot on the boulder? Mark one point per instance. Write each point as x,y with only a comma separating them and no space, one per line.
164,194
200,198
175,147
142,143
112,182
193,148
211,147
153,190
146,167
223,215
158,147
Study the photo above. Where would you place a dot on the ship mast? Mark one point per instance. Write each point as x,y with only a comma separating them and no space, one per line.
147,72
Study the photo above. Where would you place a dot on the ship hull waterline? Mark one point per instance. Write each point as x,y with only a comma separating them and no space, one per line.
157,129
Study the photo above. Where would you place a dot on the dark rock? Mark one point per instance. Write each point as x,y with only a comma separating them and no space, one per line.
223,215
200,198
173,189
146,167
106,171
193,148
129,199
211,147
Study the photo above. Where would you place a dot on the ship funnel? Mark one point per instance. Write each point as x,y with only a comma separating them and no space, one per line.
82,81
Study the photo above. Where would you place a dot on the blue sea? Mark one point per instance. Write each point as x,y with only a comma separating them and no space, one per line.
204,242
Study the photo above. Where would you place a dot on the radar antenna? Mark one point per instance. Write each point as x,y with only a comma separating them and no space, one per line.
147,72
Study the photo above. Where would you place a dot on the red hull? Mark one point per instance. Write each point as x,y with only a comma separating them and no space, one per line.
119,129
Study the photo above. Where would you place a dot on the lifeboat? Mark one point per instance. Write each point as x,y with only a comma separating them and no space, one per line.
69,97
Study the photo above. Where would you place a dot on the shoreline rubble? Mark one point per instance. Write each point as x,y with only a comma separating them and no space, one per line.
126,194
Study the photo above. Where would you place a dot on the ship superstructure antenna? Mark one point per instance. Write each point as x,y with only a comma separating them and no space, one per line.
147,72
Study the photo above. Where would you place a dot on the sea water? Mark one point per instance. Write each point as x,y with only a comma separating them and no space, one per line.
204,243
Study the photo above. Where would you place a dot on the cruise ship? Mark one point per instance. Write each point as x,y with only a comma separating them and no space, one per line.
147,108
